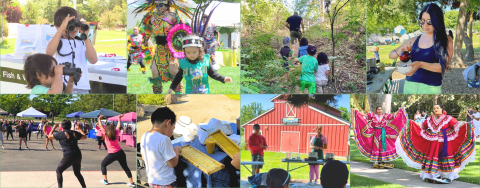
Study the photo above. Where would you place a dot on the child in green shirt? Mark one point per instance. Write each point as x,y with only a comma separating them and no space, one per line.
309,67
44,76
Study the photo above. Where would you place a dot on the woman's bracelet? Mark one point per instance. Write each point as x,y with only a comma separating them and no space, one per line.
397,53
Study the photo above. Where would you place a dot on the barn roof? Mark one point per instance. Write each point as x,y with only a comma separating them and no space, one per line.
327,105
309,106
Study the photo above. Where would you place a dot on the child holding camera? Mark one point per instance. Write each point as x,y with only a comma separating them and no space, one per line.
69,48
44,76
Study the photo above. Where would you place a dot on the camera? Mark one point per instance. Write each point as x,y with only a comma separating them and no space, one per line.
77,23
71,70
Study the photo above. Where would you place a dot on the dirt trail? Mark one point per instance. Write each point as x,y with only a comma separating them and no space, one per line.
200,108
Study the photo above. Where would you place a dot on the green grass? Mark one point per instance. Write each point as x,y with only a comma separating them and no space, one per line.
110,35
234,96
9,48
111,47
386,49
118,47
137,83
274,160
469,174
364,182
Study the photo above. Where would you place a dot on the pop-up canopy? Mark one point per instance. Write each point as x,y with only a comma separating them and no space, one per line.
75,114
31,112
102,111
128,117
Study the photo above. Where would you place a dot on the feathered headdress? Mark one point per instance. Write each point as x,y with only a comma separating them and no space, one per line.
182,7
197,28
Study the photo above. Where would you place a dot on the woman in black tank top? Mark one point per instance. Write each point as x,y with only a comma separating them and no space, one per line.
431,53
22,130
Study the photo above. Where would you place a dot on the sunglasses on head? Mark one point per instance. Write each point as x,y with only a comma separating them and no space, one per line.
421,22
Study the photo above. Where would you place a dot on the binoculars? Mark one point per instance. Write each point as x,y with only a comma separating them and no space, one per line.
77,23
71,70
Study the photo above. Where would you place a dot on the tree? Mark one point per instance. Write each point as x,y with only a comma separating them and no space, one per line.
91,102
108,19
14,103
250,111
30,13
300,100
13,14
55,104
125,103
345,113
382,100
457,60
473,8
333,17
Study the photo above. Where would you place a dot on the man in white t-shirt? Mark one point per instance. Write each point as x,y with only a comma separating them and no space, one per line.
157,150
61,45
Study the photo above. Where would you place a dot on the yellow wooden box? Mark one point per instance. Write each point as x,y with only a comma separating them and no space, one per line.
227,145
201,160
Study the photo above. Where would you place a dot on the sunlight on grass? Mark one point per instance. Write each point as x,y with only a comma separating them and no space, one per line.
138,83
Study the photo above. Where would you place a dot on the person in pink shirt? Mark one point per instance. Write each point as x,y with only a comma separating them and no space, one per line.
318,144
257,144
46,129
100,138
115,152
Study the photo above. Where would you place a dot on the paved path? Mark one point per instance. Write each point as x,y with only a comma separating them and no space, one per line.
245,184
399,176
39,159
48,179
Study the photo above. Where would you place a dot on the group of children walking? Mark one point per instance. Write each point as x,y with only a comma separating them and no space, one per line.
314,66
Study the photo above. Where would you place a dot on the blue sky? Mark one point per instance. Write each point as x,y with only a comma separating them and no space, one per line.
264,99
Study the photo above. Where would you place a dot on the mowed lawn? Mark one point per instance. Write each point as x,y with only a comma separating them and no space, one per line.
469,174
138,83
274,160
364,182
384,50
118,45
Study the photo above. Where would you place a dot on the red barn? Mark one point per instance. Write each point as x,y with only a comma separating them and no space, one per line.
289,129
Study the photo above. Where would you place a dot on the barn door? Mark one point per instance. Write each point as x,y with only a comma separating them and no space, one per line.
290,141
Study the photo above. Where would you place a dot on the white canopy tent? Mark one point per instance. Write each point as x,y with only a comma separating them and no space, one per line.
31,112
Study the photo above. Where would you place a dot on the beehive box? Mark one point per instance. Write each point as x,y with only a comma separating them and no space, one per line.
227,145
201,160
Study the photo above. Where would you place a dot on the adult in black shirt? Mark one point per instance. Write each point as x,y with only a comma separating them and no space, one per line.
22,134
293,23
8,126
71,152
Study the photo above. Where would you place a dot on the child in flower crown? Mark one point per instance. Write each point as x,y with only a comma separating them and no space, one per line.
196,68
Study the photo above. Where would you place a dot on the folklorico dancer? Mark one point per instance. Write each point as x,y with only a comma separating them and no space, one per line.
136,49
375,134
441,146
160,17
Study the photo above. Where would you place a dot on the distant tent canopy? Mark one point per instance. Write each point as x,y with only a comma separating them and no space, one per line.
31,112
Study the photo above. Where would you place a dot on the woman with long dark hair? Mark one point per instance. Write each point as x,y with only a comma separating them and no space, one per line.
430,53
115,152
441,146
72,156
